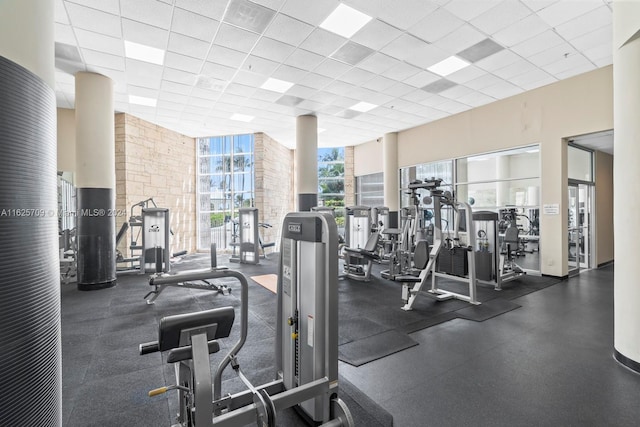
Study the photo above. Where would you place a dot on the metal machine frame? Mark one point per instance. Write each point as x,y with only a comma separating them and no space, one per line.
306,338
248,236
410,291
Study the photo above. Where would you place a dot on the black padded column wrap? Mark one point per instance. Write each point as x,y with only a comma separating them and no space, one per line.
31,392
96,236
393,219
306,201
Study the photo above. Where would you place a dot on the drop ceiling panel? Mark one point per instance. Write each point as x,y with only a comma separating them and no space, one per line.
352,53
522,30
173,87
379,83
565,64
304,59
147,11
332,68
301,91
469,9
378,63
64,34
94,20
236,38
498,60
100,59
323,97
313,12
436,25
315,81
182,62
194,25
189,46
60,13
218,71
552,55
376,34
460,39
322,42
531,78
398,90
240,90
259,65
404,47
357,76
109,6
289,74
99,42
225,56
250,79
453,107
501,90
537,44
405,13
466,74
138,32
483,81
210,9
590,21
165,99
456,92
500,16
429,55
288,30
142,91
476,99
594,38
519,67
563,11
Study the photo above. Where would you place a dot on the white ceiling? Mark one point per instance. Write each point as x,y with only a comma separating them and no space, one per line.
216,60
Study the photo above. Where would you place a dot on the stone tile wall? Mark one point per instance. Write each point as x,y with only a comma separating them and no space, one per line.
152,161
274,175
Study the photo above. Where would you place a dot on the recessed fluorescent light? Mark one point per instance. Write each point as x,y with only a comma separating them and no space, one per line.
363,107
143,52
276,85
242,117
448,66
345,21
142,100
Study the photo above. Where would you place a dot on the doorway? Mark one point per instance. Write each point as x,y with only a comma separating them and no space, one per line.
579,227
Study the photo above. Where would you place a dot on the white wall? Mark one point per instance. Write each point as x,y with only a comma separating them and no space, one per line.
66,140
368,158
579,105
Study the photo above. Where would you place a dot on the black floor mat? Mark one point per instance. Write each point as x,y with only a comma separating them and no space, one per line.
487,310
358,328
428,322
368,349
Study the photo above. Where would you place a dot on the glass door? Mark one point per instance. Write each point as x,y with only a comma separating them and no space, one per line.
579,227
574,231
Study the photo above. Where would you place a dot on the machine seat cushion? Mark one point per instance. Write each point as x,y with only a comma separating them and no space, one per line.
421,255
369,248
184,353
392,231
407,278
172,327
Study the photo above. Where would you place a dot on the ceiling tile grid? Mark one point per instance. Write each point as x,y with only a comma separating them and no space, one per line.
217,55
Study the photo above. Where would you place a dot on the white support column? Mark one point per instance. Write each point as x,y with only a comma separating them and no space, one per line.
626,102
306,158
391,176
95,181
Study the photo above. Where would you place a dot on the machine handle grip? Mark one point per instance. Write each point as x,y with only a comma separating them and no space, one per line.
158,391
149,347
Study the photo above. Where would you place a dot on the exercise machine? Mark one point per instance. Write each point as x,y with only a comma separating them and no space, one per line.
149,228
160,284
306,339
449,259
494,266
361,244
248,237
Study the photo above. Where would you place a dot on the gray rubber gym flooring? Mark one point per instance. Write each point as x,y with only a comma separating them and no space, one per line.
537,353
